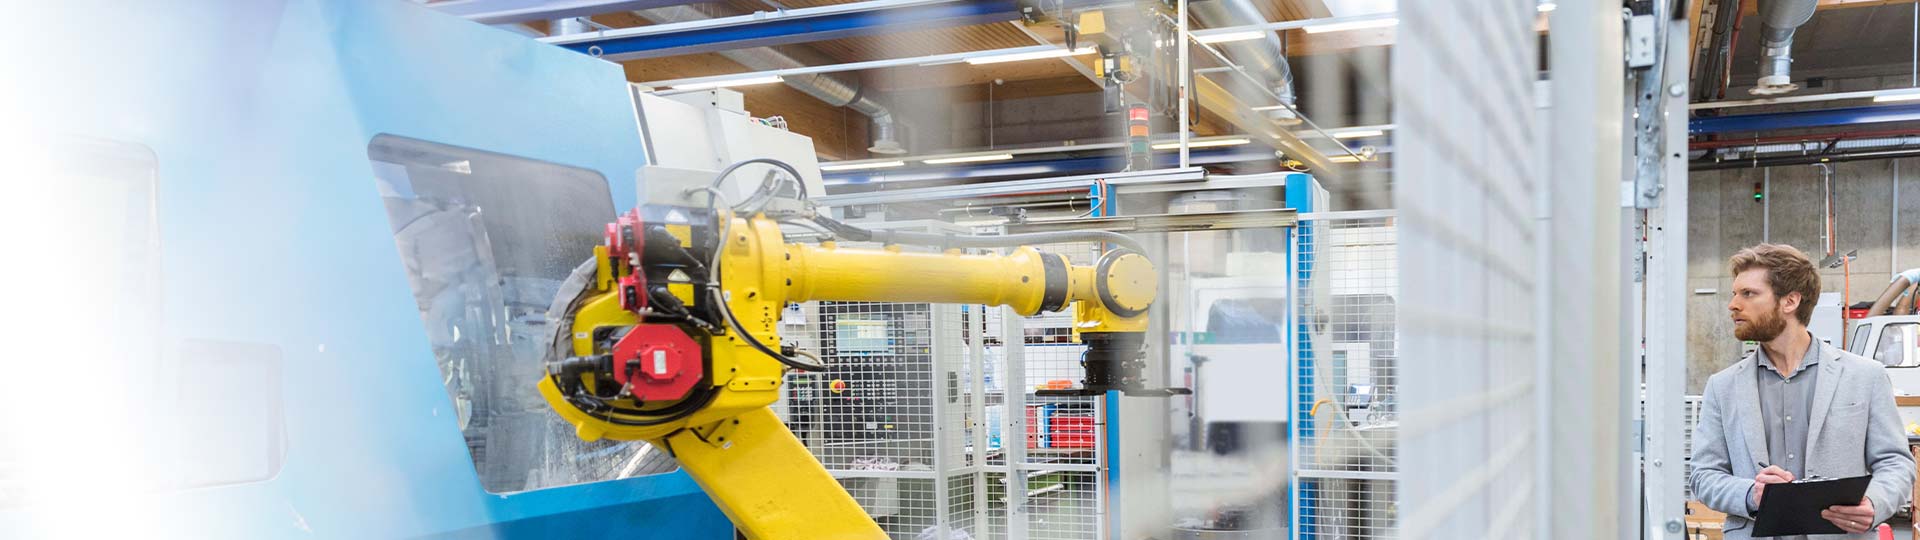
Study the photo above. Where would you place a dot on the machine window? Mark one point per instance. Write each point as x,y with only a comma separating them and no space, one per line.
235,434
486,240
1897,342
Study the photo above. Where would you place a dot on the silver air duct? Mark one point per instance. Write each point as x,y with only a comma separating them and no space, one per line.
1262,57
1780,18
568,26
830,88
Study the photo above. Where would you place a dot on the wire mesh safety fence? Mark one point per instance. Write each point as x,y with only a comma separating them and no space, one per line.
1055,505
1346,411
870,417
1058,446
912,417
1060,430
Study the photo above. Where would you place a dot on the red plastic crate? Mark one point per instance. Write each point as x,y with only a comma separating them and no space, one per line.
1071,431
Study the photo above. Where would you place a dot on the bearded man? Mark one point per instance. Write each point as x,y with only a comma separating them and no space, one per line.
1796,407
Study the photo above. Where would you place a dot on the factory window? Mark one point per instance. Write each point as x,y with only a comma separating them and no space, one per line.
486,240
1858,345
1897,343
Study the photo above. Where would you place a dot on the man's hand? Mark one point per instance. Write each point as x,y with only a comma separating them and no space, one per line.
1770,475
1854,519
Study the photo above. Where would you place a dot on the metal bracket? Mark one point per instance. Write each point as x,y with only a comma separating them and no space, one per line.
1640,436
1649,123
1640,262
1641,50
718,433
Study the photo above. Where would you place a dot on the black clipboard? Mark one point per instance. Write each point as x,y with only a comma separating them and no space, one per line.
1794,508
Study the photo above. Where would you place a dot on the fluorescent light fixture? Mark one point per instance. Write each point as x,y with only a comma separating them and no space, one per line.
1904,96
862,166
1231,37
1343,159
1268,108
1354,25
969,159
1358,134
1202,144
1017,57
729,83
1547,6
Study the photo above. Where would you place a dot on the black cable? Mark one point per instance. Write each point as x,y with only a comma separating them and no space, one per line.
687,407
798,181
755,342
720,244
704,394
843,230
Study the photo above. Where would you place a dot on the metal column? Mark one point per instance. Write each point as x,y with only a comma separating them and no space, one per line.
1013,438
944,396
1186,81
976,359
1665,310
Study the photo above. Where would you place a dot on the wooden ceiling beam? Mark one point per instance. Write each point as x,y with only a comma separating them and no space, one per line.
1294,10
1300,43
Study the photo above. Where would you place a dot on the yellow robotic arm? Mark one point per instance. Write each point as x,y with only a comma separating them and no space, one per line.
669,347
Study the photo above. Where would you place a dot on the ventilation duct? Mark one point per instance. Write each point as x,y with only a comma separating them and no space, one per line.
1262,58
1780,18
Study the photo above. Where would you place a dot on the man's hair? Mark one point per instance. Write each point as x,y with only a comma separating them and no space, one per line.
1788,271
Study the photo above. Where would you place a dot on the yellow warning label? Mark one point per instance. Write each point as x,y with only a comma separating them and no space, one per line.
683,232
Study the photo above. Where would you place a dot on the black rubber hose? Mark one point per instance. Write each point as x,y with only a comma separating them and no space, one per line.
798,181
755,342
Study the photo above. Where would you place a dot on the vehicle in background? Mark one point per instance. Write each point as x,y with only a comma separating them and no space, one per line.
1893,340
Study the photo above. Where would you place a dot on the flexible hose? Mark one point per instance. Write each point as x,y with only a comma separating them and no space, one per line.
715,201
798,180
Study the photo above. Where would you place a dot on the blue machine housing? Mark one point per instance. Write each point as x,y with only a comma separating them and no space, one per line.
258,115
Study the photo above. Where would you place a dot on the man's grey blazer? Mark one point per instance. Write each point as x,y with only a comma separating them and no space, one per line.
1854,430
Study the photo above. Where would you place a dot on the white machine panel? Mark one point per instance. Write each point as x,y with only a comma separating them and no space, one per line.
704,132
1242,382
1827,320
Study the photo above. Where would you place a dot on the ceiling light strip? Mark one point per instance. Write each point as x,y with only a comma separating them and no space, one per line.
729,83
967,159
949,58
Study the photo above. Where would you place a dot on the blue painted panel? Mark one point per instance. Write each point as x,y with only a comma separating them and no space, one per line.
259,114
1300,191
792,30
1805,119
